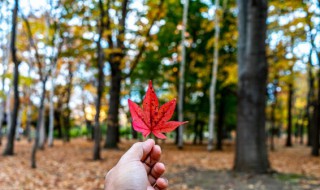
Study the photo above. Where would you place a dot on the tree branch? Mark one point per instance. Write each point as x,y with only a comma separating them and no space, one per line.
143,47
33,45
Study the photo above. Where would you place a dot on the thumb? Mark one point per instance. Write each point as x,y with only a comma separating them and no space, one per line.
138,151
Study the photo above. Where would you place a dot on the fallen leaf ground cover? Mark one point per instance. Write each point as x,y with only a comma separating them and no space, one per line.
70,166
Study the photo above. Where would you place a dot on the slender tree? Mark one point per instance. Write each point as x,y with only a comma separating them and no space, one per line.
273,113
251,151
290,99
214,77
9,149
182,70
316,128
100,84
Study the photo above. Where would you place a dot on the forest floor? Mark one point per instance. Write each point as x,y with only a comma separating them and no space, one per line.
69,166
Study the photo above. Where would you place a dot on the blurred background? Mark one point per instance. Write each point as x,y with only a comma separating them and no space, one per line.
245,70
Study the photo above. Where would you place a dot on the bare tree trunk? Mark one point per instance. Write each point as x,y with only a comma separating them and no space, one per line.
8,110
316,128
220,122
2,110
182,71
39,123
113,112
9,149
214,77
290,99
42,133
28,126
18,124
310,101
51,112
195,128
67,119
289,129
251,151
100,86
273,114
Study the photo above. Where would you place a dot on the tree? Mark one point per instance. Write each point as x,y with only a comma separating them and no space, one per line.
9,149
251,151
182,71
117,54
214,77
100,85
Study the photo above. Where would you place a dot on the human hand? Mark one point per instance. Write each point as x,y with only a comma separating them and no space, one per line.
138,169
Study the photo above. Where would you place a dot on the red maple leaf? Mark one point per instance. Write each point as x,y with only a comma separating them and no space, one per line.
151,118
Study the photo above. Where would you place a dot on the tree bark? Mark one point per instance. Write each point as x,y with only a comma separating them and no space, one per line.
113,112
273,114
67,119
100,85
220,122
310,101
8,110
251,151
28,125
289,129
182,71
18,125
2,111
42,132
195,128
316,129
39,123
51,112
9,149
214,77
201,132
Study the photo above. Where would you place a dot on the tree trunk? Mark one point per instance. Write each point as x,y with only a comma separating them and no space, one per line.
18,124
39,123
220,122
100,86
28,125
113,112
3,105
214,77
67,119
195,128
201,132
42,132
51,112
2,111
273,114
251,152
289,129
310,100
8,110
182,71
9,149
316,130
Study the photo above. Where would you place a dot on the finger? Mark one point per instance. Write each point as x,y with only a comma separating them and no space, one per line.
138,151
161,184
153,158
156,172
150,188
